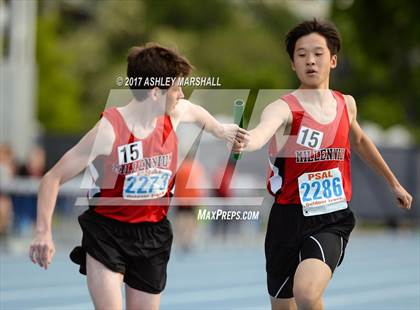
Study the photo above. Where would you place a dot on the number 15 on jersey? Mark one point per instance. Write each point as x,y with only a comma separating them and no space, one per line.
129,153
310,137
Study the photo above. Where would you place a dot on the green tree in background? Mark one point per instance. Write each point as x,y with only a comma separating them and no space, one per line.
82,48
59,90
220,38
382,52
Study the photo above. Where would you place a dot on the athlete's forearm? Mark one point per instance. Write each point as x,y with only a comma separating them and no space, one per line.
367,150
205,120
47,197
260,135
255,143
215,128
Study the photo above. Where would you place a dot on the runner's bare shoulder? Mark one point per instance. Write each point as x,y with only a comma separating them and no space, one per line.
280,110
103,136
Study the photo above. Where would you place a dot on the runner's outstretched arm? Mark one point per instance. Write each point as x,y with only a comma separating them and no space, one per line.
272,118
96,142
367,150
192,113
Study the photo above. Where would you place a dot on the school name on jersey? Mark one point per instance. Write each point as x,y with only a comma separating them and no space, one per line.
159,161
309,156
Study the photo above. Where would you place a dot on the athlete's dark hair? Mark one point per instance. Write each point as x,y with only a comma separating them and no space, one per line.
154,61
326,29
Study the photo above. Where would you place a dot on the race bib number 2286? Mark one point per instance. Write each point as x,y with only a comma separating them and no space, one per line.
322,192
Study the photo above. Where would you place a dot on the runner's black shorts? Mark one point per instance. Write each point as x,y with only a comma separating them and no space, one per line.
292,237
140,251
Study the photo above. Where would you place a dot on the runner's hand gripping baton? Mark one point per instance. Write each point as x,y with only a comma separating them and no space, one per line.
238,112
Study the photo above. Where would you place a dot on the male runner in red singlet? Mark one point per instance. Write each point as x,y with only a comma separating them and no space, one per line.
311,130
126,236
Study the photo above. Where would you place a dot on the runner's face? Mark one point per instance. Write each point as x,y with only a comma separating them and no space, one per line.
312,61
173,94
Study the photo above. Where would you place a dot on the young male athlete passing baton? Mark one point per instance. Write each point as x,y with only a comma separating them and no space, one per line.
311,131
126,235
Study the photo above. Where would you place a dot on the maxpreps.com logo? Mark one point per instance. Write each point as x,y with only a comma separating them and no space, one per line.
229,215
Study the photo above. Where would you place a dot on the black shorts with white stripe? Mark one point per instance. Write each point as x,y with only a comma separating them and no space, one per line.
292,238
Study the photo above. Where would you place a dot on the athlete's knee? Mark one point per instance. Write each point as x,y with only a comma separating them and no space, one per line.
282,303
140,300
306,295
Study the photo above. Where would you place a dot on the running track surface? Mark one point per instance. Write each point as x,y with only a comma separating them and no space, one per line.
381,270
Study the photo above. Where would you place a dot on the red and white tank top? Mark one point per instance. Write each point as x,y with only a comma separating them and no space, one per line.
137,177
313,166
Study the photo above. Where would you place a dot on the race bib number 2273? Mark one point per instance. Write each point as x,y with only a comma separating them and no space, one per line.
149,184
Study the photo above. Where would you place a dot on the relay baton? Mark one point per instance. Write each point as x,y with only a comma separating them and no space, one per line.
238,112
